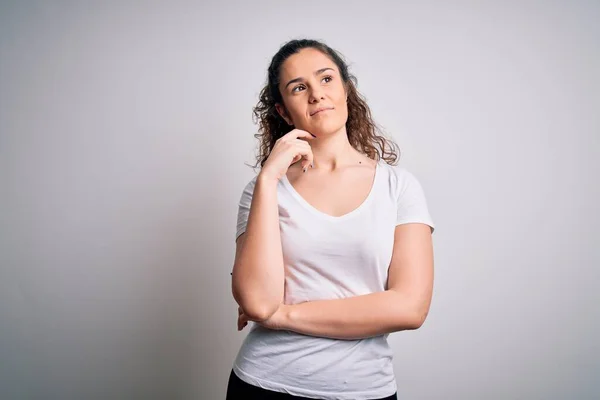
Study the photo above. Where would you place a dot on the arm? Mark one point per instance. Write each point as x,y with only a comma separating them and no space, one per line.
403,306
258,272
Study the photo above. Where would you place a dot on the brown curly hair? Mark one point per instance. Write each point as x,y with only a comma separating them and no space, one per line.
360,127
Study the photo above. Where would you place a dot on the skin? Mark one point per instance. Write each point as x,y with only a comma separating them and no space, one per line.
311,80
316,89
339,168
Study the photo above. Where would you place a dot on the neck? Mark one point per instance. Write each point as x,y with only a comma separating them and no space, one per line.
334,151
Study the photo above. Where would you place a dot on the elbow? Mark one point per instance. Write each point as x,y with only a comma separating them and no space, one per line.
258,304
255,310
260,313
412,313
418,319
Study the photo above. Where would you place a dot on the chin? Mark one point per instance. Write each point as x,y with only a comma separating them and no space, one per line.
326,129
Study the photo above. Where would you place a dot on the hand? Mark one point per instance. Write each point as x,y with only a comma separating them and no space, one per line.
275,322
287,150
242,319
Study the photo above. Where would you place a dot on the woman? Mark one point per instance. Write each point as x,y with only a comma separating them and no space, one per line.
334,247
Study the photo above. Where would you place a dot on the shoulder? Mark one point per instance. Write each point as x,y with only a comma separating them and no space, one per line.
399,178
248,191
400,172
250,184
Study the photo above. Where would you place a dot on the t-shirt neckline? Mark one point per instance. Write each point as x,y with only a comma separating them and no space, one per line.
326,216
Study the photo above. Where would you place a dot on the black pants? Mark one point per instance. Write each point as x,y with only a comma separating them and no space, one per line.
237,389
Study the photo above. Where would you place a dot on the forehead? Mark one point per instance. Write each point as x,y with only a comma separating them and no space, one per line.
305,63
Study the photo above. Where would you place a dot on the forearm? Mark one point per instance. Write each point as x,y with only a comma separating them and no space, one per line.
258,274
354,317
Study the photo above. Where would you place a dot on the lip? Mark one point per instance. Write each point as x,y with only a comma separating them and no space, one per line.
321,109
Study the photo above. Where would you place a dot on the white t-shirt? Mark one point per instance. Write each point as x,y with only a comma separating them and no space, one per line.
327,257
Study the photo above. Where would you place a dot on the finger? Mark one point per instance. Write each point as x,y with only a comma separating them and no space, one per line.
302,154
299,133
301,143
305,151
239,318
242,322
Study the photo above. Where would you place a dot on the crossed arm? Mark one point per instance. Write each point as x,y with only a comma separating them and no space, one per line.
404,305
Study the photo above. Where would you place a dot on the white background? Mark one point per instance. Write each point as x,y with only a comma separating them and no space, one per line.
125,128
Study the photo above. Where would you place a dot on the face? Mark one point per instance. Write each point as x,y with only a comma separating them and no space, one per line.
310,81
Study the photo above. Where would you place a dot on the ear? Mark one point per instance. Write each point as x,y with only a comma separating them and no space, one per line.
283,112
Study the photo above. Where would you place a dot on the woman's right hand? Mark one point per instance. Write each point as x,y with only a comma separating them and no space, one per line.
288,149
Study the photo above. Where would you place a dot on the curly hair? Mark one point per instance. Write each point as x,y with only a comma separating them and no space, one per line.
362,131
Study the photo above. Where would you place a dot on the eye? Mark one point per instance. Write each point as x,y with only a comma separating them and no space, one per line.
325,77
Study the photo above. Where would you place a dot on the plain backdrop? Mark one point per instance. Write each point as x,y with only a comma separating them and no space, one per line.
126,135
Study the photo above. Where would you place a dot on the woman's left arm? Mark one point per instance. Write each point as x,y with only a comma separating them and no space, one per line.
404,305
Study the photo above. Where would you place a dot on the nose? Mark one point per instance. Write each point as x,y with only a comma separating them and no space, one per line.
316,95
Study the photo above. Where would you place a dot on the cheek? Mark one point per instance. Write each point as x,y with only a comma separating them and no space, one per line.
343,108
341,101
296,109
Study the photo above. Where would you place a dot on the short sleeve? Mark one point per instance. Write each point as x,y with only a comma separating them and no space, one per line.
244,207
411,203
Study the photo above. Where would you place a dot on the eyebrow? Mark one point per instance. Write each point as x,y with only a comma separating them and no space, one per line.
317,72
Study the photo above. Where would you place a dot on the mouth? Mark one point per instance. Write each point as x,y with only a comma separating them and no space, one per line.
320,110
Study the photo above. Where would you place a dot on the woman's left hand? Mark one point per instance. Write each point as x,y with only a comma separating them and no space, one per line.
276,321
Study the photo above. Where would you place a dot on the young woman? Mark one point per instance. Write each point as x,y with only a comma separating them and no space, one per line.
334,248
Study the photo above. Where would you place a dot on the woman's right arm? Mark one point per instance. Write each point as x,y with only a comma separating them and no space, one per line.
258,272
